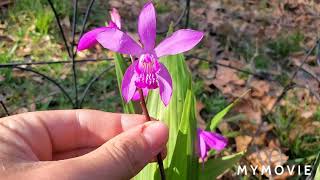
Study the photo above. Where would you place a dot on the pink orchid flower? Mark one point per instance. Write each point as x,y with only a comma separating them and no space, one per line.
208,140
88,40
147,72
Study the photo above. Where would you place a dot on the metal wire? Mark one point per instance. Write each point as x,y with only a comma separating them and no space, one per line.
60,27
86,17
91,82
187,13
50,80
74,53
4,108
11,65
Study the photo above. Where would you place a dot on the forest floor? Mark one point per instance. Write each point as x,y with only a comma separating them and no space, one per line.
270,47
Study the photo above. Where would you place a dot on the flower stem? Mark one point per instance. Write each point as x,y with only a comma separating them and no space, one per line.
146,113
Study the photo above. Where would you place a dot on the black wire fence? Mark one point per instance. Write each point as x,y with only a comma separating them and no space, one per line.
76,100
70,47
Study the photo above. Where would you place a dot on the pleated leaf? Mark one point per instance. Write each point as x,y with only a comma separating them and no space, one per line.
172,114
215,167
120,66
317,173
184,164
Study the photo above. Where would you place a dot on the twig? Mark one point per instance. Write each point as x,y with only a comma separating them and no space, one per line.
290,83
307,70
231,67
176,23
310,89
289,86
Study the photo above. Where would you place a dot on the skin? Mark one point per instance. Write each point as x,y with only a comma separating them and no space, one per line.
78,145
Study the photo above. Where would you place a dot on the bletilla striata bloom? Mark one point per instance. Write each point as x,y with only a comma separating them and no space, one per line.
147,72
208,140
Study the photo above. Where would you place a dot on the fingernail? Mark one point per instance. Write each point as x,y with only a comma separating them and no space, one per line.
156,135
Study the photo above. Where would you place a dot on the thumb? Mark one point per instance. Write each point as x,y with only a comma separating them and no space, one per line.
126,154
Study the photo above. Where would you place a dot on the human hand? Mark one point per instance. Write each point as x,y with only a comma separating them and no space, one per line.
77,144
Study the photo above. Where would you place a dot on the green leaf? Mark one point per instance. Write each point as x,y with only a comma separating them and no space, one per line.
214,167
172,114
315,174
170,29
120,66
183,159
212,125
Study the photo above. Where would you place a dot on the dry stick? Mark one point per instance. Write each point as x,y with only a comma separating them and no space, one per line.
146,113
289,86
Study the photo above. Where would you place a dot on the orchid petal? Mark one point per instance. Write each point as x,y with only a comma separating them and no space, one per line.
128,83
179,42
147,26
88,40
118,41
215,140
115,17
165,84
136,96
203,147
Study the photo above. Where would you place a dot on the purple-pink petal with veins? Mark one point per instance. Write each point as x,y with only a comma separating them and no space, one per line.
118,41
88,40
179,42
147,25
202,146
214,140
115,17
165,84
128,88
136,96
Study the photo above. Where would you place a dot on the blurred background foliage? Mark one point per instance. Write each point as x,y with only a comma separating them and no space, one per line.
254,45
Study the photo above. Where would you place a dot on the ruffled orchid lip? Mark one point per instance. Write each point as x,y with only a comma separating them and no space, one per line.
147,70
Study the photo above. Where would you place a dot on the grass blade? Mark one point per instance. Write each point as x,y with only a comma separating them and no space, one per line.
212,125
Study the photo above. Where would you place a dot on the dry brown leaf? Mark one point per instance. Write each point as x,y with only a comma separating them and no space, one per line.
267,157
242,142
259,88
227,80
201,122
251,108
